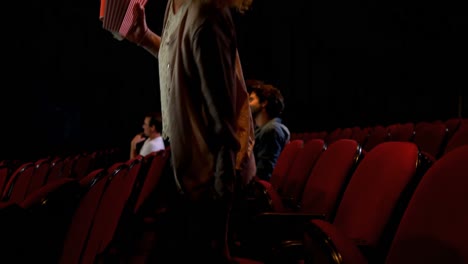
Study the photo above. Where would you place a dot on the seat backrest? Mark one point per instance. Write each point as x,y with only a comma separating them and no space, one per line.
346,132
146,163
459,138
284,163
268,194
375,190
152,178
301,168
84,164
377,135
452,125
56,168
41,170
314,134
297,135
109,211
89,180
79,228
330,176
401,132
306,136
18,184
360,134
429,137
5,173
137,169
433,228
68,165
334,135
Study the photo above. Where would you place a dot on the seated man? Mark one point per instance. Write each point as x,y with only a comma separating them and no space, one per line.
152,127
267,104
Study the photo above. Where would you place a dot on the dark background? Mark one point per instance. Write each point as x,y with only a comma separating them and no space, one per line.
69,86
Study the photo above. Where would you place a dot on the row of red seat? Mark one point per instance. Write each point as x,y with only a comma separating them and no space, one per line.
432,228
349,203
83,220
19,179
328,199
435,137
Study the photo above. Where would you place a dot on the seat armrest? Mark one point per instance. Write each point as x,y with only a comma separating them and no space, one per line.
324,243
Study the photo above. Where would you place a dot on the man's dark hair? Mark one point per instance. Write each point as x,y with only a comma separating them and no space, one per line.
251,83
155,120
270,94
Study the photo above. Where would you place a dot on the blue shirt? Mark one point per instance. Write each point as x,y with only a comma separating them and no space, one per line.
270,140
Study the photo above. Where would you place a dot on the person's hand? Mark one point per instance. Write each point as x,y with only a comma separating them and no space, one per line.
138,31
137,139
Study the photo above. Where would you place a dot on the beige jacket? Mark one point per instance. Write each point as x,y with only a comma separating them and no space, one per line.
211,127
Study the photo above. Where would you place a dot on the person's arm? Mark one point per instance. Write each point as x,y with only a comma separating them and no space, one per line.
133,152
133,145
151,42
141,35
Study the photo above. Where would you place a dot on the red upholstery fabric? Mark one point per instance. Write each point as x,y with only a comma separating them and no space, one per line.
77,235
333,136
18,184
433,228
360,135
301,168
110,207
39,176
459,138
152,178
377,135
374,189
328,177
401,132
284,163
429,136
452,125
56,168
